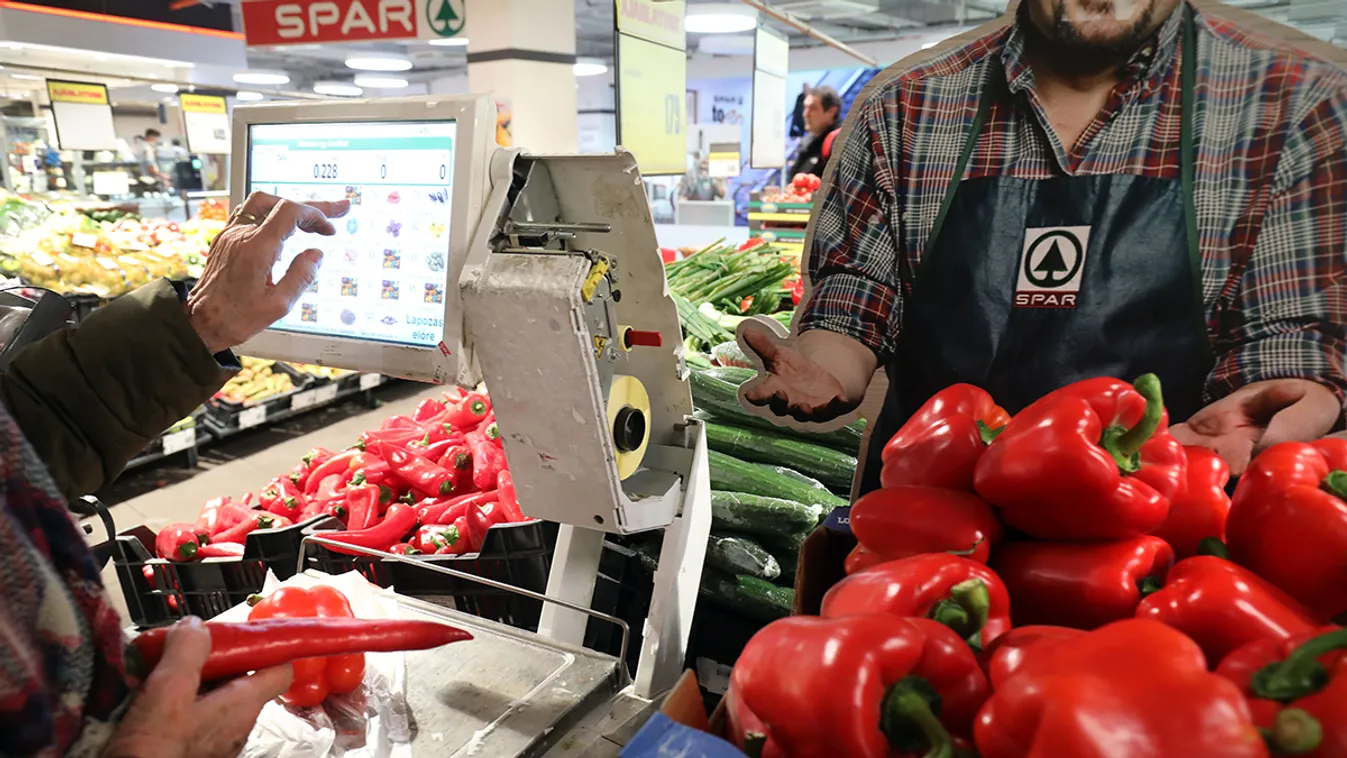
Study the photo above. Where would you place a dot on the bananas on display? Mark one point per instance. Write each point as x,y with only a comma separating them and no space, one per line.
255,383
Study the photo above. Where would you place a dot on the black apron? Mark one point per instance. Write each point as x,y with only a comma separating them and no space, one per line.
1026,286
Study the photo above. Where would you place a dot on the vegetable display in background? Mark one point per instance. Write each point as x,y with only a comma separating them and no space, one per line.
1222,606
861,687
747,281
1147,682
1082,585
1288,522
942,442
1200,508
900,522
1091,461
959,593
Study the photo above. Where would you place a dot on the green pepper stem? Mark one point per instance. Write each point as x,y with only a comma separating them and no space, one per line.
966,610
1124,446
1148,586
909,709
1212,546
1294,732
989,434
1301,673
1336,484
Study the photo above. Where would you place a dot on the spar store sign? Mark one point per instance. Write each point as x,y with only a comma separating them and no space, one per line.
304,22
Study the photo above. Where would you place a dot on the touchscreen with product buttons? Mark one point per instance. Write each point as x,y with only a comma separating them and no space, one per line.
384,272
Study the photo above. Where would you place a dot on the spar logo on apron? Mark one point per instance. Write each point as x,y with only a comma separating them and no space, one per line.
1052,266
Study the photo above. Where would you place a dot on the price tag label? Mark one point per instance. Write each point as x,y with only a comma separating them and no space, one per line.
715,677
303,400
179,441
325,394
370,381
250,417
83,239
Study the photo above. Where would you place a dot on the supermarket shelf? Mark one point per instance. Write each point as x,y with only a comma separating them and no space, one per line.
784,218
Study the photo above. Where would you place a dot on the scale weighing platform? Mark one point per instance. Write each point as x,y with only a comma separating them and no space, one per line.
462,262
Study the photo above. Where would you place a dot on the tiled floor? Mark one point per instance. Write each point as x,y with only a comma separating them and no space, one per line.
182,501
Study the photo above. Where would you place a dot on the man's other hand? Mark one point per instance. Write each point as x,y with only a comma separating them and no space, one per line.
1256,417
794,384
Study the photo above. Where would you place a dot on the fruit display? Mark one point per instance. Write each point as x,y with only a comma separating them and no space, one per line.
718,286
800,190
257,381
213,209
322,372
1019,580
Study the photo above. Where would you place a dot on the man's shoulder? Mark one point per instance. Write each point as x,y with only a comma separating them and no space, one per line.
1270,57
952,68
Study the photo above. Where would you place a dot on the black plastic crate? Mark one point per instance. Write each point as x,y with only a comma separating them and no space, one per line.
223,417
159,592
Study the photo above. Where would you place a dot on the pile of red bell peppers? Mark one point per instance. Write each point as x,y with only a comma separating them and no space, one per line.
1068,582
430,483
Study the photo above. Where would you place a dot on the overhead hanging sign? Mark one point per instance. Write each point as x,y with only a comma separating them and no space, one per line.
82,114
205,120
771,63
652,84
305,22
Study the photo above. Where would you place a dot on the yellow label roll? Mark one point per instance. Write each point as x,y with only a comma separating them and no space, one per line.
629,421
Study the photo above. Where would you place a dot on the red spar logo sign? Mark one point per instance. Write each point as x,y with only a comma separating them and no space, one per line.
292,22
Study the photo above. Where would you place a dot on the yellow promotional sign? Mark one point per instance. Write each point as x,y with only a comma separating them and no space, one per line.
83,93
660,22
652,76
202,104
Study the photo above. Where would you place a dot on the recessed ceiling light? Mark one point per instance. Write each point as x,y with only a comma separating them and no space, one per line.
248,97
170,88
29,77
450,42
378,63
262,77
720,18
589,67
338,89
380,82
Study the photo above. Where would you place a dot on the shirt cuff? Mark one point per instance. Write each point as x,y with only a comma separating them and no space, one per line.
225,358
1306,354
856,307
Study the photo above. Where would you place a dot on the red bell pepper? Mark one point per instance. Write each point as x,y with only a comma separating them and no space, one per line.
1091,461
469,412
338,465
1007,653
1133,688
509,500
1200,508
362,506
863,687
797,291
420,474
860,559
1083,585
428,409
1288,522
1223,606
178,542
1297,690
315,678
902,521
943,441
220,550
398,522
488,460
960,593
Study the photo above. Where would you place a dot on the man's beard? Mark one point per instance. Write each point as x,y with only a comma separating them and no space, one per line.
1068,50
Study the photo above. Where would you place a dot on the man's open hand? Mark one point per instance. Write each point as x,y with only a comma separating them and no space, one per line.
793,385
1256,417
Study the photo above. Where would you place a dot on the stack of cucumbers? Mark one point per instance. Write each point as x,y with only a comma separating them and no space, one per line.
771,486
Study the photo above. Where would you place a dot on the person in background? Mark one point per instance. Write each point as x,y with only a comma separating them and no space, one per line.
77,405
144,148
698,184
822,114
797,128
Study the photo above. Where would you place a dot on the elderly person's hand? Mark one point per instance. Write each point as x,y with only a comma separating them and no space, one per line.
1256,417
236,298
170,719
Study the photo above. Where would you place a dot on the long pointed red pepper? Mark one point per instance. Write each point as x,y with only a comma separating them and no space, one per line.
237,648
398,521
470,411
337,464
509,500
422,475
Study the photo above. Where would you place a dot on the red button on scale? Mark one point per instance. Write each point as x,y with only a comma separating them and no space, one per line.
639,338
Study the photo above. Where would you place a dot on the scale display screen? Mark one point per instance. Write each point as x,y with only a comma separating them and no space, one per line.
384,273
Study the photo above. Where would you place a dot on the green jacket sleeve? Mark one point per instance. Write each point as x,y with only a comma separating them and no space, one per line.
89,399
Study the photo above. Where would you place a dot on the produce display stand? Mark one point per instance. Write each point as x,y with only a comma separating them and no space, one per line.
781,223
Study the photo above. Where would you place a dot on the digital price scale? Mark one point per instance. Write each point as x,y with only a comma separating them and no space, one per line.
461,262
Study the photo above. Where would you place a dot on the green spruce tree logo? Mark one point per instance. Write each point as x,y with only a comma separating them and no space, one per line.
446,17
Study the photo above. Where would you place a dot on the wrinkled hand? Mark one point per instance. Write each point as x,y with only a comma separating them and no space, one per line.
794,385
169,720
235,298
1256,417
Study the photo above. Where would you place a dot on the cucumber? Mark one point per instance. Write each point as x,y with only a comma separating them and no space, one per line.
729,354
721,398
697,361
781,547
734,475
739,555
735,375
829,466
748,595
756,514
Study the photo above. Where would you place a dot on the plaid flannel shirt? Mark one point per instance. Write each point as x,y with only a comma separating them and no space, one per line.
1271,186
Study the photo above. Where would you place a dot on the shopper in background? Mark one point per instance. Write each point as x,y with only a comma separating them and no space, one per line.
1190,174
86,400
698,184
144,148
822,114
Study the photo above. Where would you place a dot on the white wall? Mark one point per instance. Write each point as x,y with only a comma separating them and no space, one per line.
817,58
597,131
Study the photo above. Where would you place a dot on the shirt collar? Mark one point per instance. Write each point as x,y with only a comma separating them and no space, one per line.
1146,67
